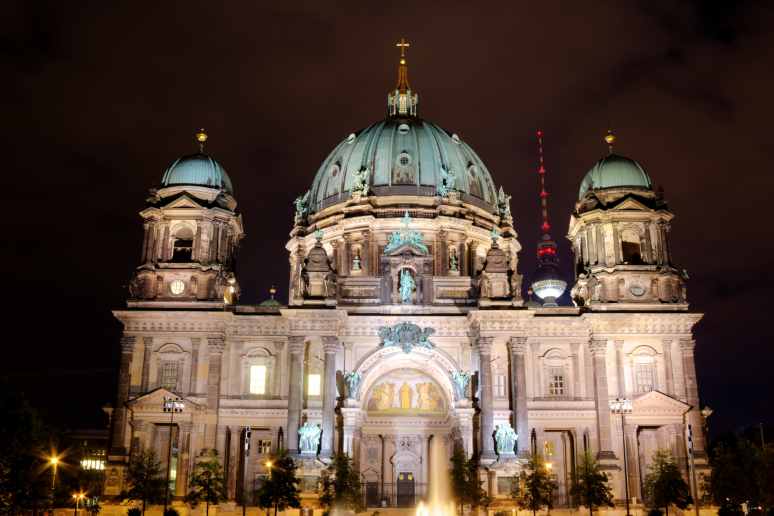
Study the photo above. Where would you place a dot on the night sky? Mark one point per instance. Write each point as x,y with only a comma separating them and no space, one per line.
97,98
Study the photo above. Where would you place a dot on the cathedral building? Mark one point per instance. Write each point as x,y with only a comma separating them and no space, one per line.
405,324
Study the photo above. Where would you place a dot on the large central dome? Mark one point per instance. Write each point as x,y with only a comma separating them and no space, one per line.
403,156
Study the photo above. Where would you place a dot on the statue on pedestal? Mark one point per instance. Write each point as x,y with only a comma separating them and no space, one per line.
505,438
309,438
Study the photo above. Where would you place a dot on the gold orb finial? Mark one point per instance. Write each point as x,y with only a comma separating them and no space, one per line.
272,291
610,140
201,138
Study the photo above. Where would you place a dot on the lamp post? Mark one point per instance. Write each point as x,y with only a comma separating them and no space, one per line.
623,406
54,462
78,497
173,405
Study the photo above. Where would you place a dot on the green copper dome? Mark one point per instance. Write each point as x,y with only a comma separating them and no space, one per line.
403,156
197,170
614,171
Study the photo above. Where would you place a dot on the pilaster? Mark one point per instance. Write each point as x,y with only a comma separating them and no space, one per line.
517,346
484,347
215,347
331,346
598,349
118,445
296,345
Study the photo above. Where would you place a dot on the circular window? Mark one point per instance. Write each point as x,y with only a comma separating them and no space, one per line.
351,138
334,170
177,287
403,128
456,138
404,159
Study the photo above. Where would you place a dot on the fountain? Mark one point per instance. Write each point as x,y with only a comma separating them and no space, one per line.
440,501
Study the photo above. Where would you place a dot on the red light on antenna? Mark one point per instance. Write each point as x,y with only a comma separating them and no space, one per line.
545,227
539,133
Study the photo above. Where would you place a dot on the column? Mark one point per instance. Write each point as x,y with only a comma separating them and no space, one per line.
164,244
517,346
215,346
192,384
331,346
183,457
632,455
117,445
576,374
602,399
234,450
146,362
670,373
346,256
484,345
619,360
296,346
365,255
694,417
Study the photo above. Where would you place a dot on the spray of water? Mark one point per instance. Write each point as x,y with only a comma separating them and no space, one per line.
440,501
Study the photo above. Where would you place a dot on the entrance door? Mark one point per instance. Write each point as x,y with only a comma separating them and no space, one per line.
405,496
372,494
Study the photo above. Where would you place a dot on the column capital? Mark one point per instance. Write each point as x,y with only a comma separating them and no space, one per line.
484,345
331,344
517,345
687,344
598,346
216,345
185,426
296,344
619,343
667,340
574,347
127,343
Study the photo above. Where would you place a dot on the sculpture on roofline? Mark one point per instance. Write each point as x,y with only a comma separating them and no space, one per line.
360,182
302,207
406,237
447,182
503,204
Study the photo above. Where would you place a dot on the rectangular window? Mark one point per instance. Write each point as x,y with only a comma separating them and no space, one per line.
168,376
644,377
556,381
499,386
263,447
313,385
258,379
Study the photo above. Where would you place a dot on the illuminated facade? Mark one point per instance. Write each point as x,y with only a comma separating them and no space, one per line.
405,323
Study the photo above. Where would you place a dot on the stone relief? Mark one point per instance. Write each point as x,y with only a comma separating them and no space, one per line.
406,335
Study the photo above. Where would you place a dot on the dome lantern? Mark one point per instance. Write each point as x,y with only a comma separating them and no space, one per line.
402,102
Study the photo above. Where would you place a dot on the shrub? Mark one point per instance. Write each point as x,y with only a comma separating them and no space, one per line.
171,512
134,511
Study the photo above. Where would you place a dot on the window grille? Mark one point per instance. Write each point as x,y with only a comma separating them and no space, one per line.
263,447
644,377
499,386
556,381
169,371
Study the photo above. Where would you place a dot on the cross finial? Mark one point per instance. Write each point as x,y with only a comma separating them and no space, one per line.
402,45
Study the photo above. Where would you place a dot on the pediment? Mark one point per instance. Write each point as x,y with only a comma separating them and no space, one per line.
183,201
153,401
406,248
656,402
630,204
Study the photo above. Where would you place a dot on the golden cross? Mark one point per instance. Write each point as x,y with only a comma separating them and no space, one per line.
403,45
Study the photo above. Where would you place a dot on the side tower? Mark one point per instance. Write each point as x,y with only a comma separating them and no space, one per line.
619,232
192,232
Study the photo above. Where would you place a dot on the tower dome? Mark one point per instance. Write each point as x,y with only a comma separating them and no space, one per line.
615,171
197,170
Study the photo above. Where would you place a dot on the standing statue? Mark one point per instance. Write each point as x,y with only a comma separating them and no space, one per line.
447,182
460,380
309,438
505,438
352,381
302,207
407,286
503,204
360,182
453,261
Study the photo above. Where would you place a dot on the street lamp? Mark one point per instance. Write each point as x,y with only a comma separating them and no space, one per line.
173,405
623,406
53,461
78,497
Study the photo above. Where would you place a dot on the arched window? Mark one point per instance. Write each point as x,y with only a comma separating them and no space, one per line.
630,247
556,379
182,247
644,369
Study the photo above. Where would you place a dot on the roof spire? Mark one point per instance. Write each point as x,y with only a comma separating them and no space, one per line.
201,138
546,246
402,101
403,84
610,140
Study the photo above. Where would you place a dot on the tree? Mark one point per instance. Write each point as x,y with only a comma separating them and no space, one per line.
664,485
537,486
466,485
144,477
25,482
280,490
590,486
341,486
207,482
